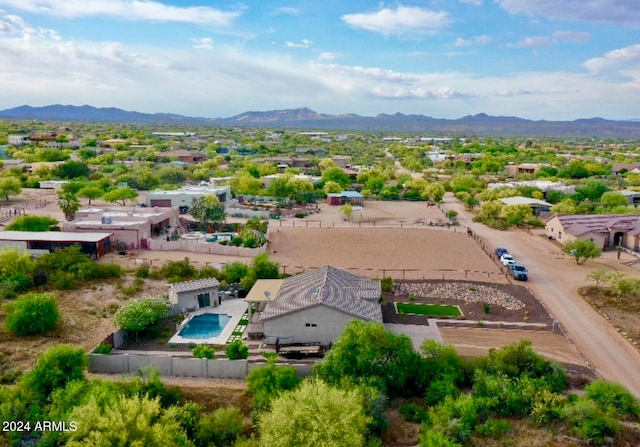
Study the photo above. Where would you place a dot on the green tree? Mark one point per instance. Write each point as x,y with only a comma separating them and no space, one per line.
72,170
90,192
265,383
220,428
69,205
237,350
612,397
132,421
582,250
32,223
367,353
9,186
138,314
208,210
33,314
621,284
55,368
565,206
347,210
332,188
612,199
593,189
517,214
120,195
315,414
335,174
435,191
15,261
491,209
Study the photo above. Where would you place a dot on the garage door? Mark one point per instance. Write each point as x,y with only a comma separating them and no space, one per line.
165,203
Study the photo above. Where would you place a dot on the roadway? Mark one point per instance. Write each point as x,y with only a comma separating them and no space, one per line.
554,279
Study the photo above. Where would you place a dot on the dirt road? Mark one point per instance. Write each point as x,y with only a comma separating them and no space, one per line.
554,278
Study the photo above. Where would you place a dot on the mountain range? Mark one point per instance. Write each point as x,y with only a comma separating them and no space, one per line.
304,118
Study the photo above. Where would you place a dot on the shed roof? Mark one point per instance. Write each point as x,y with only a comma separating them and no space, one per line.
519,200
52,236
329,286
198,284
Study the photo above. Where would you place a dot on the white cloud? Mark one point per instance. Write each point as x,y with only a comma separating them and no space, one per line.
203,43
610,11
379,74
305,43
623,62
533,42
127,9
572,36
399,21
475,40
326,56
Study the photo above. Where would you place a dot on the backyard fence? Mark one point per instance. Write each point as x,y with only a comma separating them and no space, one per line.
382,223
179,366
411,274
204,247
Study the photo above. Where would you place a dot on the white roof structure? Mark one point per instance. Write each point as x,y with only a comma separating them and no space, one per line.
52,236
519,200
198,284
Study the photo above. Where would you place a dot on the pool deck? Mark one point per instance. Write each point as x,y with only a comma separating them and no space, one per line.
234,307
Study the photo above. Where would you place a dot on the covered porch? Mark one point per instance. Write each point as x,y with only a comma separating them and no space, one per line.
262,292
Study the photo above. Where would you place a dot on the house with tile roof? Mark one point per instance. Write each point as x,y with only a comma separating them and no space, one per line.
606,230
315,307
188,296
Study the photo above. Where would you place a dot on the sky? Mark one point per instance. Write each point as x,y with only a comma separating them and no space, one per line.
536,59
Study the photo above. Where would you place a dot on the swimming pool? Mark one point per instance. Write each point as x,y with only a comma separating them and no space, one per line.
205,326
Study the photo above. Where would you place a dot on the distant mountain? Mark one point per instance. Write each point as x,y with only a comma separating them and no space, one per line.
304,118
87,113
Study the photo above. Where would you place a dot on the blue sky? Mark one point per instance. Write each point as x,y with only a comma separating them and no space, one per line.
538,59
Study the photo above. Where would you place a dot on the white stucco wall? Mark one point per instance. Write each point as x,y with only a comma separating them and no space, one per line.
329,325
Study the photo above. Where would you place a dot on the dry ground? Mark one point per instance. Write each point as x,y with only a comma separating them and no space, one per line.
86,320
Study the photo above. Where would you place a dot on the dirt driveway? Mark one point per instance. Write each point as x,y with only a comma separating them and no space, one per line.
554,278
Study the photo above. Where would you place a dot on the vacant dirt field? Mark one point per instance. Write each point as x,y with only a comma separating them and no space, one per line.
378,249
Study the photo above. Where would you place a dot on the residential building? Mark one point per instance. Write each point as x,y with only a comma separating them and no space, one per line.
523,168
537,206
345,197
606,230
39,242
314,307
185,156
184,197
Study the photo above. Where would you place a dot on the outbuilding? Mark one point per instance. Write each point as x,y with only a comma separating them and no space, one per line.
188,296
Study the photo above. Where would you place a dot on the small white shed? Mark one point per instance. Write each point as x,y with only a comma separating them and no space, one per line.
191,295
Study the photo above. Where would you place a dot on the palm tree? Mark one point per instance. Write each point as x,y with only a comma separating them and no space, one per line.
69,204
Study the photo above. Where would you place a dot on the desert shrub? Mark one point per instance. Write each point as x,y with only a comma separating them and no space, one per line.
143,271
431,438
32,223
439,389
237,350
55,368
103,348
237,241
138,314
90,271
203,352
547,407
387,284
493,428
590,423
176,271
610,396
33,314
414,413
63,281
267,382
220,428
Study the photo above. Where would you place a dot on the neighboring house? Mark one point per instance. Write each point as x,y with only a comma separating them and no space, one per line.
129,226
312,151
523,168
606,230
315,307
619,168
18,140
633,197
189,157
341,198
191,295
543,185
39,242
185,196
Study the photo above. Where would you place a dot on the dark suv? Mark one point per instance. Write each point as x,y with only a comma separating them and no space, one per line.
518,271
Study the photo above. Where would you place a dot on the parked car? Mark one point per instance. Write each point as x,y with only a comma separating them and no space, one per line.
501,251
518,271
507,259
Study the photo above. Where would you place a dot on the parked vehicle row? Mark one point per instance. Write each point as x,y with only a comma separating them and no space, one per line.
517,271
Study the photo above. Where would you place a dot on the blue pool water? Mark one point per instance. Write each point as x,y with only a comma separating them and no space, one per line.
205,326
